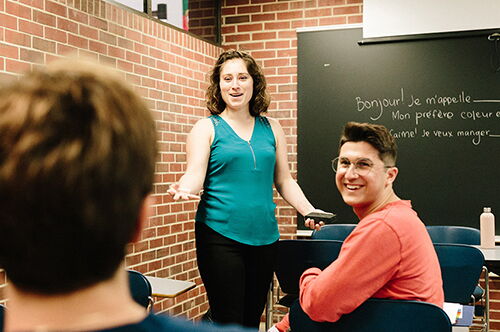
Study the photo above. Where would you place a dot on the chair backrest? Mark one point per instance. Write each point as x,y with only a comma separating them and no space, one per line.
140,288
378,315
2,309
461,267
333,232
454,234
295,256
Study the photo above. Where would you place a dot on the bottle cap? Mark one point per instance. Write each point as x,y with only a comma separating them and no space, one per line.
487,209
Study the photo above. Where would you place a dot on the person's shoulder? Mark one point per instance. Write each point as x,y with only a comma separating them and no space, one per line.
399,210
274,123
203,126
167,323
397,218
271,121
206,122
164,323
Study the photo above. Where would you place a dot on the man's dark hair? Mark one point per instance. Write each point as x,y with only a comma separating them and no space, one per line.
260,98
77,156
376,135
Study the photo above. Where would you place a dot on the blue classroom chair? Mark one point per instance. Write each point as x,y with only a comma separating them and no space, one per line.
2,309
454,234
333,232
140,289
469,236
461,267
378,315
296,256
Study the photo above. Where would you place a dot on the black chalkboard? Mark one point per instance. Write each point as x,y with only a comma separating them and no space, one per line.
441,99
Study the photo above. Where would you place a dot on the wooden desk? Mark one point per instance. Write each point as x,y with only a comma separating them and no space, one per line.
165,287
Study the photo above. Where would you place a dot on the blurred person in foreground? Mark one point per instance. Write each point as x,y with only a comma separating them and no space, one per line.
77,157
389,254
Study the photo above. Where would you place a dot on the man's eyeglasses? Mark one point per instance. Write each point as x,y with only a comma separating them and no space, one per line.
362,166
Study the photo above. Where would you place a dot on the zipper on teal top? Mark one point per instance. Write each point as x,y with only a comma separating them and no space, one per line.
253,155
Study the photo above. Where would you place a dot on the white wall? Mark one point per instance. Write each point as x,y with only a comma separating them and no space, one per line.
174,11
382,18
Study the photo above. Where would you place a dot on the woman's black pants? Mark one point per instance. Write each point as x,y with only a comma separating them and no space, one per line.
236,276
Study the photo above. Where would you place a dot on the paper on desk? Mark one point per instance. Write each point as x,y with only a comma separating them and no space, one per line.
453,310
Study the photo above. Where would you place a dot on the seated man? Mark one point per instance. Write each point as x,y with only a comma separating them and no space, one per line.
389,254
77,158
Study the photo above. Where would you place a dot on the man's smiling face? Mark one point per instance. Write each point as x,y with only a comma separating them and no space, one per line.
363,192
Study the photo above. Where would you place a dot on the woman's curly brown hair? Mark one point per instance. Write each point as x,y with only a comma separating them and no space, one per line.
260,98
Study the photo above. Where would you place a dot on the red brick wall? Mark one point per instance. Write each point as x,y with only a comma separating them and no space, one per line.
494,303
202,19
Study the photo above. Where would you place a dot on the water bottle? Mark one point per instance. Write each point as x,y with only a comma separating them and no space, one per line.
487,228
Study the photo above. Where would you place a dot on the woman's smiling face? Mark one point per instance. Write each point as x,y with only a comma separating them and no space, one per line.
236,85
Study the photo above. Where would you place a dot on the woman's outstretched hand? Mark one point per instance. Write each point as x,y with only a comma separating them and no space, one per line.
180,193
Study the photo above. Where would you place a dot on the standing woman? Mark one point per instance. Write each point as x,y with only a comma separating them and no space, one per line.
235,156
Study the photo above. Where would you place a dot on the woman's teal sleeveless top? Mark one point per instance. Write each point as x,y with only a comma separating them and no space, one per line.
237,199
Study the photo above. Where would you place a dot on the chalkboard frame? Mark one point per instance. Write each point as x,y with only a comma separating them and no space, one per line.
318,134
424,36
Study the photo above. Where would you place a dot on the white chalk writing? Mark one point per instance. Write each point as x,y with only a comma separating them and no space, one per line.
417,112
